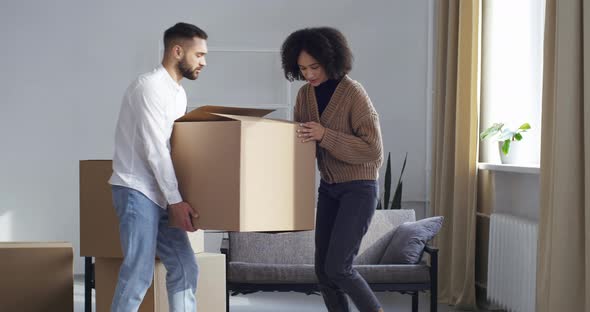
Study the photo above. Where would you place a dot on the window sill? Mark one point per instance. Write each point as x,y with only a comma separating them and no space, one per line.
524,169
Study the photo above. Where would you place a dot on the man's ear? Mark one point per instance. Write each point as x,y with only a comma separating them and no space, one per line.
178,52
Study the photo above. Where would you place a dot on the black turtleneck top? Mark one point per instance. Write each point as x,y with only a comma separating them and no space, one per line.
324,92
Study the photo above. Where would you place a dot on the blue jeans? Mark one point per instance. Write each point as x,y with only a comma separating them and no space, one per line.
144,231
344,213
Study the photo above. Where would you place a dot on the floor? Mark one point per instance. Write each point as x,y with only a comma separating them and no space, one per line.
289,302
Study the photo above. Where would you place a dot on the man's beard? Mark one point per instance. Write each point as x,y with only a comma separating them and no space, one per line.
186,71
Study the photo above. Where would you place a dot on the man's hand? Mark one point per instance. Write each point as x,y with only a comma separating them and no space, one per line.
311,131
180,216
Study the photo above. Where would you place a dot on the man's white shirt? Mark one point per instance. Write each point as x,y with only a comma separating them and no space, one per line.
142,158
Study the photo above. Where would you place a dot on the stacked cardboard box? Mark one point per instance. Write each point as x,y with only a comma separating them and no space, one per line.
36,277
99,225
99,238
210,287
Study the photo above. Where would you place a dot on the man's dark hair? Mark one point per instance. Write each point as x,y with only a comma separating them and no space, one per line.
182,31
327,45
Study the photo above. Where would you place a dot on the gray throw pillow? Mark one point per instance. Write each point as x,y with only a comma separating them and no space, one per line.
408,241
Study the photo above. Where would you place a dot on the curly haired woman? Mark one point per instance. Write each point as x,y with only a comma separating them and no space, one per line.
336,113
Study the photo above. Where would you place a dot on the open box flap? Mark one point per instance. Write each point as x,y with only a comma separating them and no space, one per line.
216,113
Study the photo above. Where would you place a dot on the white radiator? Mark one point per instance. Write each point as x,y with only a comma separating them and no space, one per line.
512,263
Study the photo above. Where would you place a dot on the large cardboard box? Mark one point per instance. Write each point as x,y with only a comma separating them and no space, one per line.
36,277
211,292
244,172
99,225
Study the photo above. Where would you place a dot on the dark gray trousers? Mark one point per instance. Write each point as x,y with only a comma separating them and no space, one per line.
343,216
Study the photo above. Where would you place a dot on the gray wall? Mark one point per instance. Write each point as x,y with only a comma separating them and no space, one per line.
66,64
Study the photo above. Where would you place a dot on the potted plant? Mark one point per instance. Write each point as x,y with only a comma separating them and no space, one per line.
396,203
506,138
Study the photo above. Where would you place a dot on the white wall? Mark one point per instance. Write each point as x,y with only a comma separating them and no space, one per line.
65,65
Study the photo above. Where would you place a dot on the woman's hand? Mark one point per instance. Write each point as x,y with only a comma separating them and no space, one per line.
311,131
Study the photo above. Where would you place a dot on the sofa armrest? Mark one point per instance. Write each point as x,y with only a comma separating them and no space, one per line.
433,252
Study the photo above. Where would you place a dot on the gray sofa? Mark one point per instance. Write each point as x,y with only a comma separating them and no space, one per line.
284,261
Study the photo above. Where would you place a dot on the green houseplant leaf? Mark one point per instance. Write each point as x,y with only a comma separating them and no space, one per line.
506,147
491,131
525,126
383,203
397,195
387,190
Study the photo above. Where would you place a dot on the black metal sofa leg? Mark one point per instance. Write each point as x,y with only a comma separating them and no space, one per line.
88,283
415,302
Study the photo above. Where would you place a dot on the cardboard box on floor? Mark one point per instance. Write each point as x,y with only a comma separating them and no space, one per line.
210,295
36,277
99,225
244,172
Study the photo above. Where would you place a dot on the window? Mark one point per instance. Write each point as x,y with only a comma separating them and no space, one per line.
512,71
